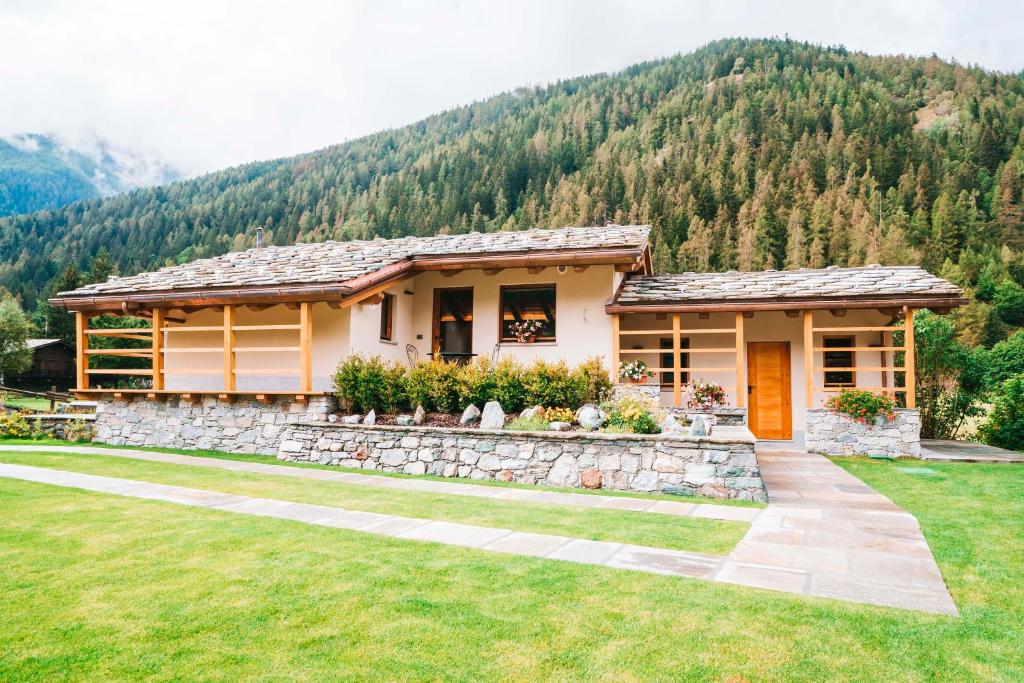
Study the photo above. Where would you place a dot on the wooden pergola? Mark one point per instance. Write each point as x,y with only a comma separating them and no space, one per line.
812,373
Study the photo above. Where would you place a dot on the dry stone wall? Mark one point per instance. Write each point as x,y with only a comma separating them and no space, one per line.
243,426
709,466
834,434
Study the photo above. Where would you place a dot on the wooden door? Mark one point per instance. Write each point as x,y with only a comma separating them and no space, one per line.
768,377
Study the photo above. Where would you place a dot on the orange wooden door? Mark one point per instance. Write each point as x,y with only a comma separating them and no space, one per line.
771,404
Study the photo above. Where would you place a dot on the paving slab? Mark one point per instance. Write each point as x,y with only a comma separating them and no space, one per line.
967,451
666,507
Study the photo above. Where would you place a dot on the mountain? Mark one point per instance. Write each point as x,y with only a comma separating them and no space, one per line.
45,172
744,154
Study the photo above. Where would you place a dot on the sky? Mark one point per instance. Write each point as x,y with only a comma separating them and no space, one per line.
203,85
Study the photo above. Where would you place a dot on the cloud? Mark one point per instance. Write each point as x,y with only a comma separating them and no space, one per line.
204,85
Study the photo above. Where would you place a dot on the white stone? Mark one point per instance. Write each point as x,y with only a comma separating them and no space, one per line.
470,415
589,416
560,426
493,416
371,418
419,416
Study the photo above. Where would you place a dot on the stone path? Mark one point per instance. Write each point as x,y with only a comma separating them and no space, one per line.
828,534
606,554
824,533
967,451
704,510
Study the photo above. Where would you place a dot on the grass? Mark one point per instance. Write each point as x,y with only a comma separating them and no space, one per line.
271,460
711,537
36,405
103,587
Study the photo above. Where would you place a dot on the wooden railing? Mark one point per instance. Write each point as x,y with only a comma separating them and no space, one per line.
229,349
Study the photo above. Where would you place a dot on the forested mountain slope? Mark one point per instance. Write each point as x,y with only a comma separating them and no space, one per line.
745,154
43,172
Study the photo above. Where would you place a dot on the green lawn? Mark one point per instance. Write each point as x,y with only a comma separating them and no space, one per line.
707,536
36,405
104,587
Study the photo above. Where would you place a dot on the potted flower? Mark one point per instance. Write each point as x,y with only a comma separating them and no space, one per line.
635,371
702,399
525,331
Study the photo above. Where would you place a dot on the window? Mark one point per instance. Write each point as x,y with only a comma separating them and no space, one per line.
666,361
387,317
839,359
528,302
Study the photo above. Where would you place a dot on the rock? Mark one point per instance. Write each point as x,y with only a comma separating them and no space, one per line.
362,452
531,413
493,416
405,420
589,416
561,426
670,425
332,418
698,427
419,416
351,419
470,415
590,478
371,418
506,475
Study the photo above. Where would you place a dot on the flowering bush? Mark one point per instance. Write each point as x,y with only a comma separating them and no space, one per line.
557,415
632,415
863,406
705,396
634,369
525,329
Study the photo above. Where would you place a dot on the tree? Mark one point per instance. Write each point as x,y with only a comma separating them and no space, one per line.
58,323
15,329
1004,426
950,376
101,267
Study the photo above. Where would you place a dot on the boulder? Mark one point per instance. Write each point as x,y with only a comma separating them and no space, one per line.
405,420
561,426
470,415
493,416
531,413
419,416
352,419
371,418
590,478
589,416
698,426
332,418
670,425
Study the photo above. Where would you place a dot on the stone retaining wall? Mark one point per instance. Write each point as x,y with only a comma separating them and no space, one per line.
244,426
712,466
834,434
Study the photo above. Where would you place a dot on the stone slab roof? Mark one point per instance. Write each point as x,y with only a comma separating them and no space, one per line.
337,262
826,283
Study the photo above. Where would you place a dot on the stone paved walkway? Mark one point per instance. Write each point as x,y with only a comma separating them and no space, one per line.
705,510
828,534
824,533
967,451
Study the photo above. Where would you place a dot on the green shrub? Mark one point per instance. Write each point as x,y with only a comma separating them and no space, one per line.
592,380
363,384
863,406
1005,424
633,415
78,431
434,385
476,383
508,385
1005,360
528,424
14,426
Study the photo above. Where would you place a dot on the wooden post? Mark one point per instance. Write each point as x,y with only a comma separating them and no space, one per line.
158,349
229,347
809,358
910,381
677,374
741,363
81,344
615,348
306,347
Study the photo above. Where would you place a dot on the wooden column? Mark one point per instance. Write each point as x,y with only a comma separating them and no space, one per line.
677,374
615,348
306,347
910,381
158,349
809,358
229,347
81,345
741,363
